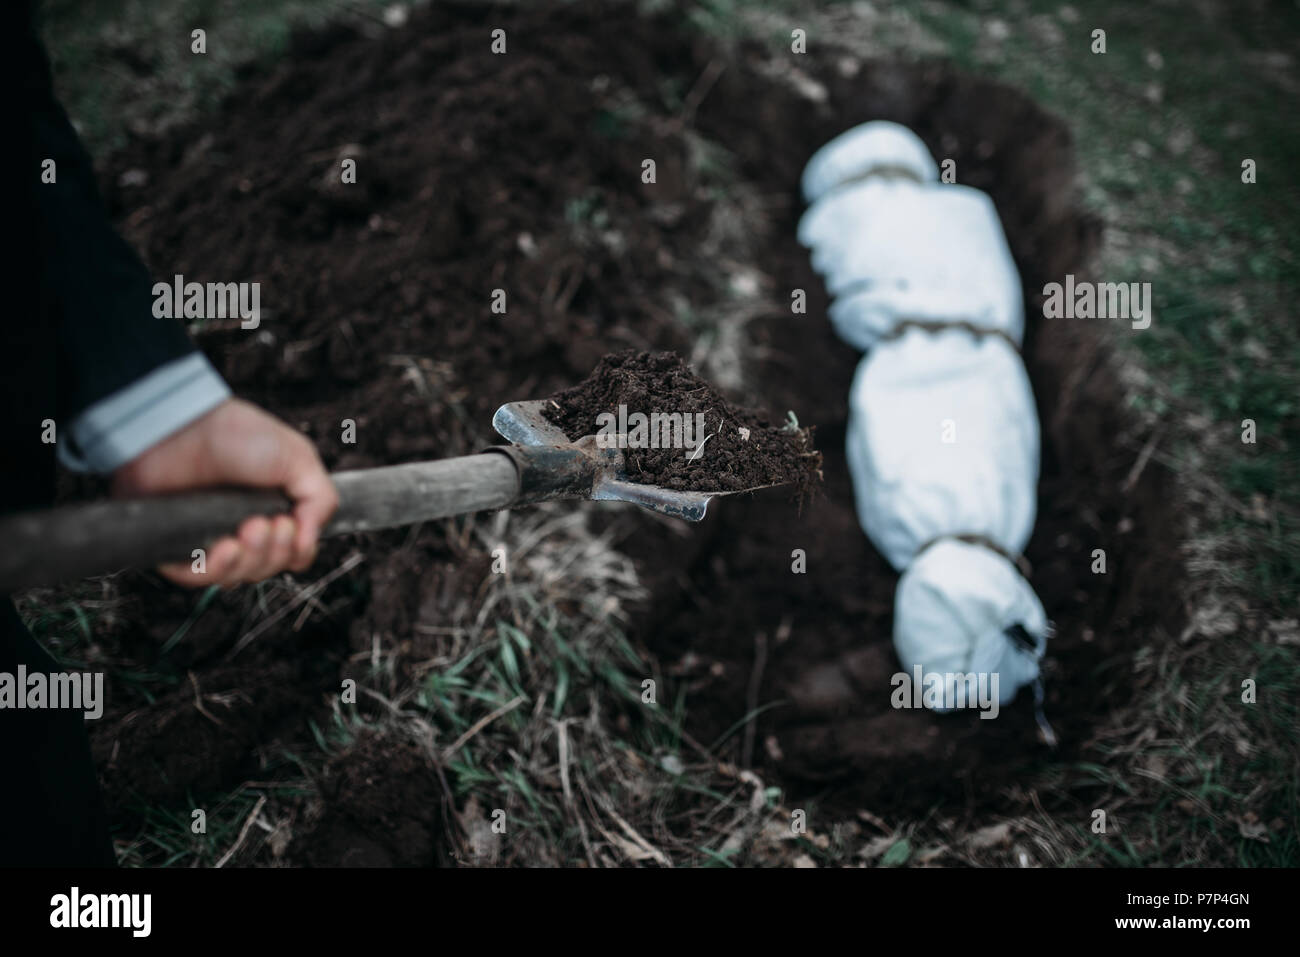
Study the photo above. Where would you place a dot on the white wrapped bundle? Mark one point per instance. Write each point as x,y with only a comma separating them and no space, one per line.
892,247
942,440
952,611
943,434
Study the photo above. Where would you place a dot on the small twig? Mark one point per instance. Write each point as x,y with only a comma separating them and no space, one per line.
198,702
307,593
312,604
457,826
700,90
243,831
638,842
562,736
479,725
700,749
1143,457
562,742
699,448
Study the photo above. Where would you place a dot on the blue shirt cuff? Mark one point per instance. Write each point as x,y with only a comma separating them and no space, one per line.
116,429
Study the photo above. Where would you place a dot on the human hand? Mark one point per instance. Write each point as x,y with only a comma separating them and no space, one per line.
239,444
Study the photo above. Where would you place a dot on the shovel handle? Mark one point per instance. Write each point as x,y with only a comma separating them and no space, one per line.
51,545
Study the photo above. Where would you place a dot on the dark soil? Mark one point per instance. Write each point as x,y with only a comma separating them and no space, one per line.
522,173
380,806
650,383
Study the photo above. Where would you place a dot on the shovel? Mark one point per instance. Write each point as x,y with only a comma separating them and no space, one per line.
52,545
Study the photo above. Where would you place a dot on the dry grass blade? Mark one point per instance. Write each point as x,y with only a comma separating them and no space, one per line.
308,593
243,832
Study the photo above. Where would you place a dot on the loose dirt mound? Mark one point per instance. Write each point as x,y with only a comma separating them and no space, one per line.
522,173
733,449
380,807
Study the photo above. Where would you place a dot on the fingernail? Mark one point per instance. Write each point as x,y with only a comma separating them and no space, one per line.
261,532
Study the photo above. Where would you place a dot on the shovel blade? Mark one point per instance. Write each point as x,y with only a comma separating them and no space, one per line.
688,505
525,423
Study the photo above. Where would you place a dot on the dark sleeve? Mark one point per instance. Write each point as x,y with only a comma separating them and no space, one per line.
125,379
98,291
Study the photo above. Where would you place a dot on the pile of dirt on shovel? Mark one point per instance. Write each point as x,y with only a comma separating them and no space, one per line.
737,448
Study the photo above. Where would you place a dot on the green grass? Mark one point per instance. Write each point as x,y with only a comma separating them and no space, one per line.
124,64
1165,177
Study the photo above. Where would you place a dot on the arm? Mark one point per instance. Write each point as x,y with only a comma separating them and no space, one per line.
126,379
140,400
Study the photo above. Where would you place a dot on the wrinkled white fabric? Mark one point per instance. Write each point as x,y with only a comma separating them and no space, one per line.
952,607
892,248
943,436
942,440
866,147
